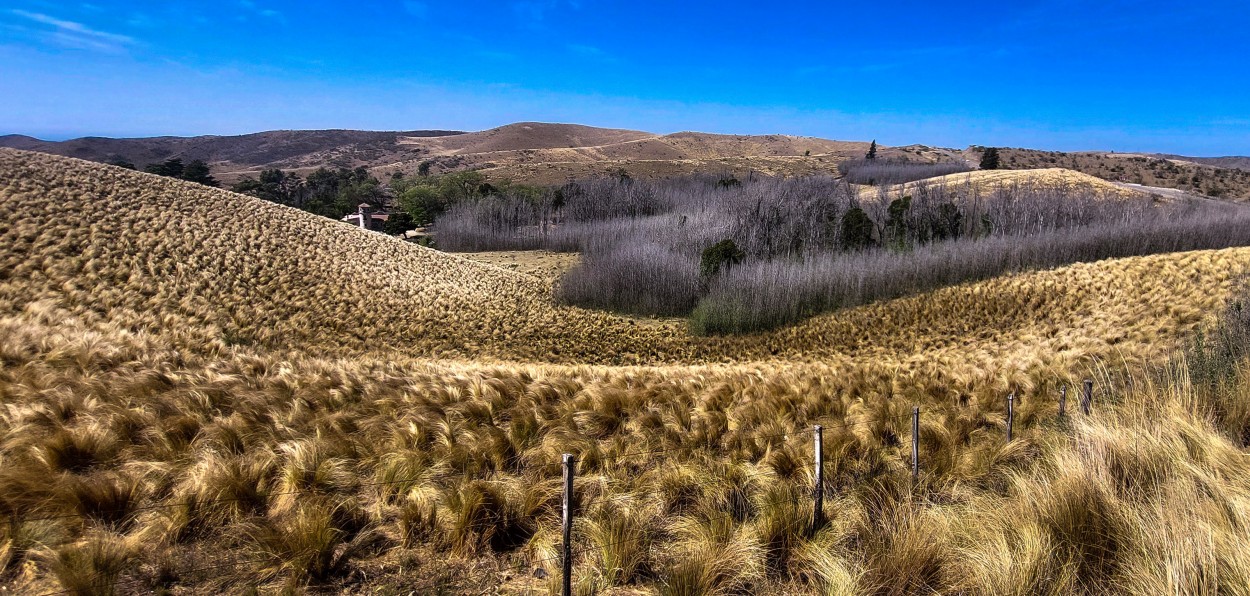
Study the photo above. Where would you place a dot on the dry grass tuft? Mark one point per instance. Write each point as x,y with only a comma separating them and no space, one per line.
135,445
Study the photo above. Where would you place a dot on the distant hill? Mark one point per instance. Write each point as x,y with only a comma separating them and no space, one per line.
542,153
1233,162
287,149
551,153
1221,177
530,152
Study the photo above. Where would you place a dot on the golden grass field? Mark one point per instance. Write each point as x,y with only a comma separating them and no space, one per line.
987,181
200,391
545,265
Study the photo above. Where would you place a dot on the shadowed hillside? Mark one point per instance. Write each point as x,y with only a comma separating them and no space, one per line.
286,149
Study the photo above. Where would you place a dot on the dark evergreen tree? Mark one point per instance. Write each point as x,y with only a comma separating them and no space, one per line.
276,186
990,159
198,172
872,150
121,163
856,230
171,167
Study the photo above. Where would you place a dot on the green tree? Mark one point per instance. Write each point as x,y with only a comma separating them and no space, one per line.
120,162
335,193
423,203
872,150
722,255
856,230
990,159
398,223
171,167
197,171
276,186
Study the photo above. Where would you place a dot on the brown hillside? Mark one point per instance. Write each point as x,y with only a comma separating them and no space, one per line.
987,181
289,149
1183,174
539,153
529,135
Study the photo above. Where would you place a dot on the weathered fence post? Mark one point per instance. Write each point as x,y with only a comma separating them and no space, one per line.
1011,414
915,443
567,556
1063,400
1087,399
818,491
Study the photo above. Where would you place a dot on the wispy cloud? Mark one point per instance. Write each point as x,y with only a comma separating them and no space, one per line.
76,35
253,8
585,50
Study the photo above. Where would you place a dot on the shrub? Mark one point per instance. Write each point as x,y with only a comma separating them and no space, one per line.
888,172
722,255
764,294
641,279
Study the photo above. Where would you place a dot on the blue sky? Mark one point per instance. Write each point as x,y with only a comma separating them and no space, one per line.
1117,75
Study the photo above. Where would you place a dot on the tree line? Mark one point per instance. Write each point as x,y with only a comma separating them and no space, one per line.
195,171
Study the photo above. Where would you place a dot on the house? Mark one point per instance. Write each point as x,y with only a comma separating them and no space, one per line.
367,218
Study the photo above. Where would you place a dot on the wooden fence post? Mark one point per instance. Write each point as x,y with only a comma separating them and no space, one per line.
915,443
1011,414
1087,399
567,556
1063,400
818,491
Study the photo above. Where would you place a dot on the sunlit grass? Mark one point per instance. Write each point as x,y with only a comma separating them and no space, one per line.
139,452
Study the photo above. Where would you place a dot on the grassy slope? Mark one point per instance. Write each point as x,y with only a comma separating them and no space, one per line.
172,417
169,257
986,181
